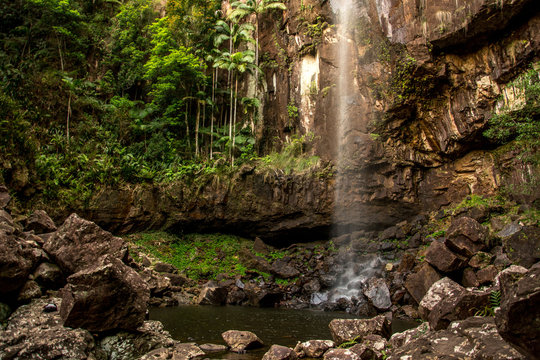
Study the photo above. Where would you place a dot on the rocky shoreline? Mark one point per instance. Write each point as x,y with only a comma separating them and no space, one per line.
74,292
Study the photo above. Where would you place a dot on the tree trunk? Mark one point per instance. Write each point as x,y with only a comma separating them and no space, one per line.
197,129
67,120
235,108
230,121
187,126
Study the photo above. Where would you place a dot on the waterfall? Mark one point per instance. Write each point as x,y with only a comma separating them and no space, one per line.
352,271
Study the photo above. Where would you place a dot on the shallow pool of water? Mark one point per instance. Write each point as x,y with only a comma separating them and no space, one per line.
205,324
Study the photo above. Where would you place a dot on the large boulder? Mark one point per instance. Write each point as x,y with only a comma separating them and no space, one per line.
278,352
442,258
238,341
16,262
466,236
518,319
34,334
419,282
79,243
40,222
447,301
377,292
472,338
373,347
109,295
523,246
344,330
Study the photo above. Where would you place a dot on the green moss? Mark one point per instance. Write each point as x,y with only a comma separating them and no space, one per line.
198,256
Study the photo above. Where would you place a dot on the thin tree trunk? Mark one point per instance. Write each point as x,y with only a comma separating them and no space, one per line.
214,81
187,127
235,107
197,129
256,53
230,121
67,120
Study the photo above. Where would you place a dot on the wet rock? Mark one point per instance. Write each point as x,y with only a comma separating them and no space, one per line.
518,319
341,354
16,262
284,270
239,341
472,338
314,348
212,294
78,244
49,276
34,334
40,222
108,296
523,246
4,197
447,301
343,330
162,267
379,295
210,348
418,283
465,236
278,352
127,345
443,258
487,275
29,291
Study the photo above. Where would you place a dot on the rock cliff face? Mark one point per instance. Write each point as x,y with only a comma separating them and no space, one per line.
426,78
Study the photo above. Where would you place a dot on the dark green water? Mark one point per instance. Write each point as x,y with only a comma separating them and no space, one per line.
205,324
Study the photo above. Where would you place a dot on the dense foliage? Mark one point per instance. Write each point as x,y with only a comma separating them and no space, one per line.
103,91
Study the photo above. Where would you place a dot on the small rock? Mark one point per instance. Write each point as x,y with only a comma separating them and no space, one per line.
314,348
162,267
238,341
4,197
379,295
212,294
418,283
469,278
209,348
51,307
283,269
278,352
487,275
466,236
40,223
443,258
480,260
29,291
344,330
341,354
49,276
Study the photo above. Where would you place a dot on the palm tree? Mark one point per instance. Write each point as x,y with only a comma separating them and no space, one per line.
257,7
237,63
